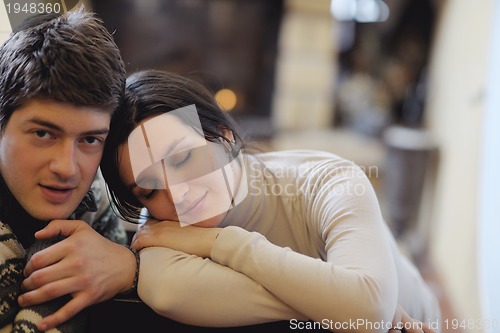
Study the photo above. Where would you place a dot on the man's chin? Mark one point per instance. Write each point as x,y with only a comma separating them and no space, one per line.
54,214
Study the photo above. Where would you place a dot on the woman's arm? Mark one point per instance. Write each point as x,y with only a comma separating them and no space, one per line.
357,281
197,291
318,289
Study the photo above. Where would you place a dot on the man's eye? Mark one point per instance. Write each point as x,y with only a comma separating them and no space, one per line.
42,134
92,140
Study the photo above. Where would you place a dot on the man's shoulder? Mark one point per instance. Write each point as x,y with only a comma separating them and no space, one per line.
9,244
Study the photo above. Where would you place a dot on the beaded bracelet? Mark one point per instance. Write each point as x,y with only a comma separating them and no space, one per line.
133,289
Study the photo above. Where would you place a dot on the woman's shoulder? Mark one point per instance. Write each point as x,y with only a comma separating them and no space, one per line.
309,165
297,155
300,158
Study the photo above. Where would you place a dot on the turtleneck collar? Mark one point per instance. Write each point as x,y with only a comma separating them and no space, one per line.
246,213
22,224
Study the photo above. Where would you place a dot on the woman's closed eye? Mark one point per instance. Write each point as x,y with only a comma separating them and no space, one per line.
146,187
179,159
148,194
144,193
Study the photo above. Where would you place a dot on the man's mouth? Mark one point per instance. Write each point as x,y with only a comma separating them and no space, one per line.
59,188
57,194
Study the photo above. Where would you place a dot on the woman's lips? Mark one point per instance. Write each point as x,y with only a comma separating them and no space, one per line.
194,209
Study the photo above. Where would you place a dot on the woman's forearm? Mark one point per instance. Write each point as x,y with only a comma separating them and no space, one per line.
361,288
198,291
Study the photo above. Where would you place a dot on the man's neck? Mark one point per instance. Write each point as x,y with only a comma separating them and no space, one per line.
23,225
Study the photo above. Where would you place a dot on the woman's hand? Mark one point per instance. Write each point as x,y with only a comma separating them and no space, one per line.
402,322
189,239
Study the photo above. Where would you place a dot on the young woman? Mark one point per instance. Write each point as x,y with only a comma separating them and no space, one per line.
251,238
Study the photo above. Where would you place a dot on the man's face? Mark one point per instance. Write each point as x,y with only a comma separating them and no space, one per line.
49,155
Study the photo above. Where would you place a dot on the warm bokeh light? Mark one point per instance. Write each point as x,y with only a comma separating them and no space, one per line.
227,99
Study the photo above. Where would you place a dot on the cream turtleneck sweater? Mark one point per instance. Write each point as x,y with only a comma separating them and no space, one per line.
308,242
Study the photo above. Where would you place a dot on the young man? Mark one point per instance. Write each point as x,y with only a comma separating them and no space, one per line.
61,78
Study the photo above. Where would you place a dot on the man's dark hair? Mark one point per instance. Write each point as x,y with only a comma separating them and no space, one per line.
71,58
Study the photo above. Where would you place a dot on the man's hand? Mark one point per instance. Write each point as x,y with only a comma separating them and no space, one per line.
85,264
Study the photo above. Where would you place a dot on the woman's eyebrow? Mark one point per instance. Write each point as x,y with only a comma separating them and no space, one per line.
149,144
172,146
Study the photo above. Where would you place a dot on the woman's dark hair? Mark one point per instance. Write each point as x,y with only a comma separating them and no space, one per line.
150,93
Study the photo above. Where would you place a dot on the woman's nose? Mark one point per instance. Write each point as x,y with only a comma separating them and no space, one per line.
179,193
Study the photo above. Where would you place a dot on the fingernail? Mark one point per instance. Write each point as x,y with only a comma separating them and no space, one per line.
42,327
20,300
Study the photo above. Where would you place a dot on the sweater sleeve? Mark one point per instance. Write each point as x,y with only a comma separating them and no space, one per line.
12,263
355,287
197,291
13,318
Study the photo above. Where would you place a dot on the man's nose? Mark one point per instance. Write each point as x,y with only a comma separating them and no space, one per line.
63,162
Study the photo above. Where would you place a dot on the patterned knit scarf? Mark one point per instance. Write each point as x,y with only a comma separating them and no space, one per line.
13,258
12,261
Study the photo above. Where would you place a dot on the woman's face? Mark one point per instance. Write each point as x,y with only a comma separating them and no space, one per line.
177,174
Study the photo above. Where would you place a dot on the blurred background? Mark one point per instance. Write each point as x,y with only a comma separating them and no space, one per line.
407,89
